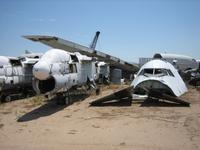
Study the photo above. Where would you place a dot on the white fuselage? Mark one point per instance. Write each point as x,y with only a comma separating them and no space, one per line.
59,70
11,73
16,72
160,75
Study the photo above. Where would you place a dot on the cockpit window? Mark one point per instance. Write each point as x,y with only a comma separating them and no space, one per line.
160,72
170,73
147,72
156,72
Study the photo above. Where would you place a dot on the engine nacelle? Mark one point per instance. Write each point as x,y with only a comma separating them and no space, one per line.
53,84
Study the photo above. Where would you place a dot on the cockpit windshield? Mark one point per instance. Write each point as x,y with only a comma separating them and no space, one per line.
158,72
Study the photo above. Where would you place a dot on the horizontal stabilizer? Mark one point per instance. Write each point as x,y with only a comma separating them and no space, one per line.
163,96
119,94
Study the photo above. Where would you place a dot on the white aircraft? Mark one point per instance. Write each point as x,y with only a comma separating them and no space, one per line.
162,81
16,76
161,76
157,79
59,71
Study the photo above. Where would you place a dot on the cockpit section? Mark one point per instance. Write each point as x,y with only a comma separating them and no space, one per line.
55,56
156,72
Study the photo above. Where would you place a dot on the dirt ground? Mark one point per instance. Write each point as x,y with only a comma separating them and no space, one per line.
37,124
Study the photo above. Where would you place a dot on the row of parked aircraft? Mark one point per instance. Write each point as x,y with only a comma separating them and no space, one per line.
69,65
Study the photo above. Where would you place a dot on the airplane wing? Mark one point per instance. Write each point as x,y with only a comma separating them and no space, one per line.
159,95
69,46
127,92
116,95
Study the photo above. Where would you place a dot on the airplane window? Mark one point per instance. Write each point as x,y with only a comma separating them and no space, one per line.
170,73
74,58
15,62
156,72
141,72
72,68
160,72
146,72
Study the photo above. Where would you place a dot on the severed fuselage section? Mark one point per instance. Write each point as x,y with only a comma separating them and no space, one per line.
157,79
161,76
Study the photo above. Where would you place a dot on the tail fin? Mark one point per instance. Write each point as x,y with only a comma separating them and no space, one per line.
94,42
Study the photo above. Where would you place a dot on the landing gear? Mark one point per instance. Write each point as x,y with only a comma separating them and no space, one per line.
63,98
5,98
8,98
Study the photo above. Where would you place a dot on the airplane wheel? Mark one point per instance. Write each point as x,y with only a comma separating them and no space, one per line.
7,98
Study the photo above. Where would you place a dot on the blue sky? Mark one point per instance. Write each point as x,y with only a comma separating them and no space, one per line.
129,28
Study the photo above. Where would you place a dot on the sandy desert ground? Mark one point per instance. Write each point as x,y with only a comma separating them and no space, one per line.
35,124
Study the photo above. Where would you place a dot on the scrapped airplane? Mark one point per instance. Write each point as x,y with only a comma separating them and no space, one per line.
16,76
157,79
161,76
62,78
59,71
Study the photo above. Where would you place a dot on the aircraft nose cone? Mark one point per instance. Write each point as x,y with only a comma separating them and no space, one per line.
41,70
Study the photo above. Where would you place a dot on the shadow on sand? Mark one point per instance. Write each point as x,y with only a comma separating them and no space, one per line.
48,109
